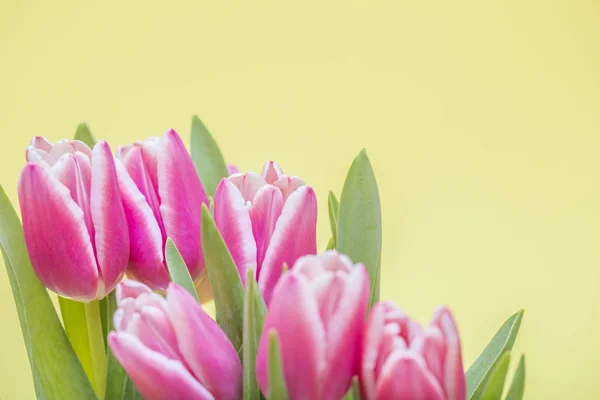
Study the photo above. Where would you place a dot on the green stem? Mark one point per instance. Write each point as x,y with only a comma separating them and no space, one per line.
97,349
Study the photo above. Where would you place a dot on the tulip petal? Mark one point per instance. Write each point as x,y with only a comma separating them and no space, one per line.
130,289
41,143
271,172
344,333
112,236
266,209
373,335
153,328
81,147
295,235
155,376
454,378
182,196
294,315
57,239
432,348
146,241
233,221
405,377
288,184
232,169
219,368
248,184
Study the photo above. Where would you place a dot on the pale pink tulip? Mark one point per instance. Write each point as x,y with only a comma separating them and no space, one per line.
232,169
266,220
171,348
403,361
73,218
318,310
163,197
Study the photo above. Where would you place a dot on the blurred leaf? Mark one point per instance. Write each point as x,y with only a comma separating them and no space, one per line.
84,134
495,385
517,387
74,320
224,279
330,244
254,315
57,372
333,205
118,384
105,315
207,157
354,392
277,388
479,373
359,220
178,270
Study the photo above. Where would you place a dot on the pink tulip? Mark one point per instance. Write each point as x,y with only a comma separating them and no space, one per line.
73,218
171,348
163,197
402,361
232,169
318,310
266,220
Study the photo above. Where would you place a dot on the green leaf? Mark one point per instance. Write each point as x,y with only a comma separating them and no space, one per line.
207,157
359,220
118,384
333,205
503,340
277,388
57,372
84,134
517,387
330,244
495,385
224,279
177,268
254,315
73,316
354,392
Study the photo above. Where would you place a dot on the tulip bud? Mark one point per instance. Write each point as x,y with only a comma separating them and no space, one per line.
163,197
318,310
73,218
266,220
171,348
402,361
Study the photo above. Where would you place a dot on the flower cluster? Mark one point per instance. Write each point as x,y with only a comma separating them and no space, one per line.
291,322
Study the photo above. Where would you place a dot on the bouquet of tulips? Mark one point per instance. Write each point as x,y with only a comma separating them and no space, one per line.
135,243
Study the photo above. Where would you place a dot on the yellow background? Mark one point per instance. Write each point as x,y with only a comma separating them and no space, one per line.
481,119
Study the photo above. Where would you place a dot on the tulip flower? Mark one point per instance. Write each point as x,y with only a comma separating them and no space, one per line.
163,197
317,310
266,220
171,348
401,360
73,218
232,169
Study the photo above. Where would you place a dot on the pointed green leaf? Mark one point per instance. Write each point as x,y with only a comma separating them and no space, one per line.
84,134
207,157
333,206
73,316
177,268
118,384
479,372
105,315
359,220
330,244
277,388
495,385
354,392
254,315
224,279
57,372
517,387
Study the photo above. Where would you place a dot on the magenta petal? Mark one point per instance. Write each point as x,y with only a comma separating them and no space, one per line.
56,236
432,348
373,335
216,364
266,209
454,378
146,241
405,377
232,169
295,235
182,196
110,224
344,333
156,376
294,315
130,289
233,221
271,172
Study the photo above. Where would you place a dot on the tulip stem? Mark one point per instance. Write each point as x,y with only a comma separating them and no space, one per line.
97,348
